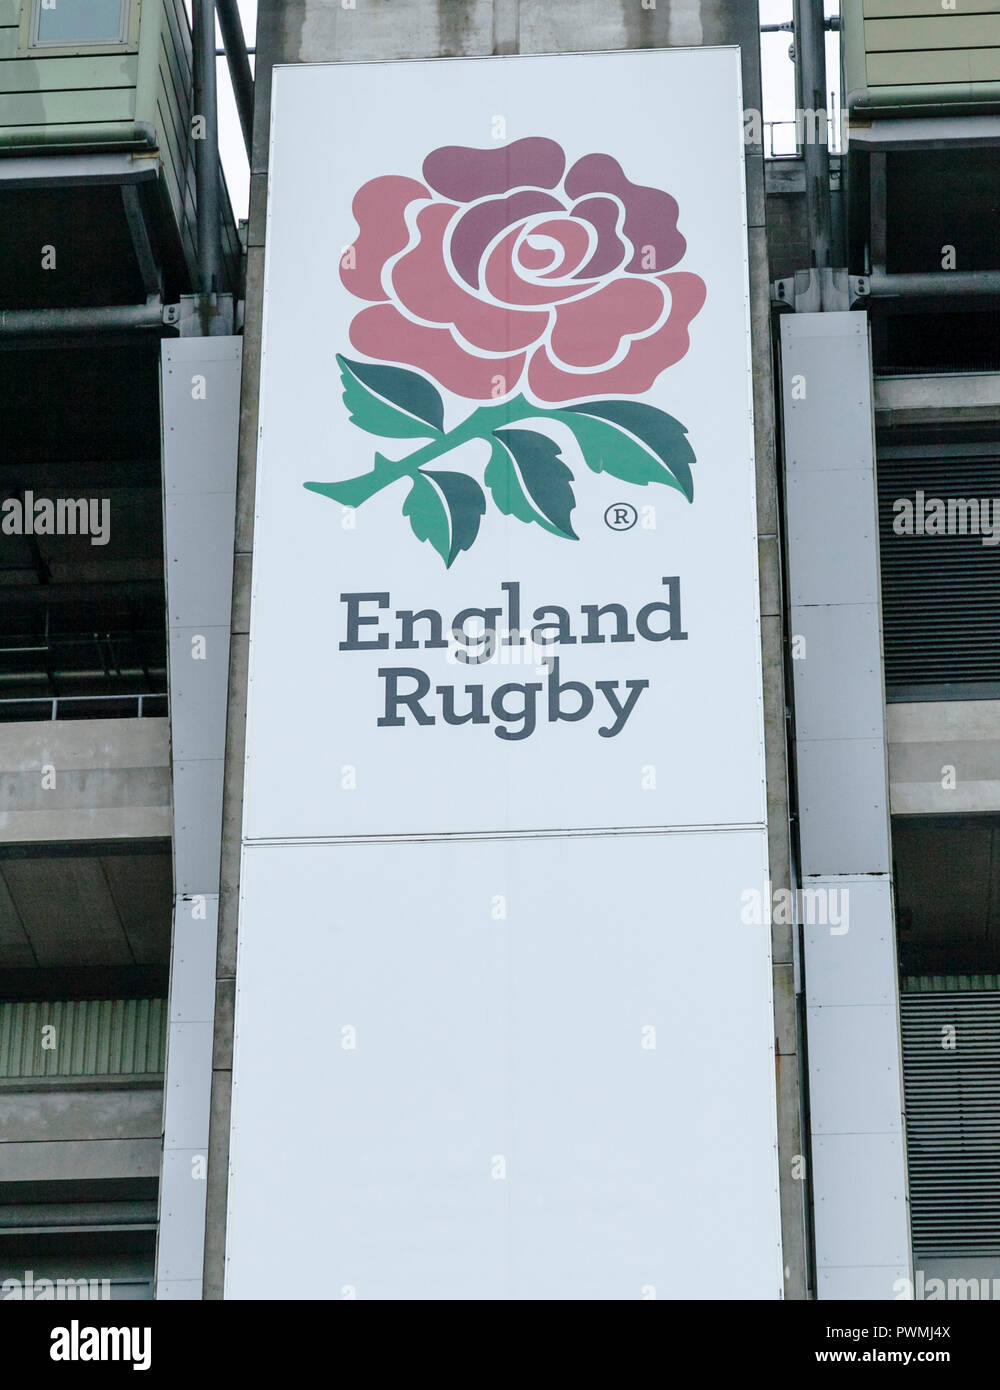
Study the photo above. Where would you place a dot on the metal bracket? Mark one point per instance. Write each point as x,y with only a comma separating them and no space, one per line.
809,291
203,316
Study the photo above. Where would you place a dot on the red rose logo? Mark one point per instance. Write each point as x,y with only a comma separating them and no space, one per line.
499,275
503,270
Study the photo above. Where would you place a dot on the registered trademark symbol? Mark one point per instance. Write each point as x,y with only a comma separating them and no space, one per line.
621,516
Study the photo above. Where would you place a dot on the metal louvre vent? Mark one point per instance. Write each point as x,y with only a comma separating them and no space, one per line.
940,593
90,1037
952,1087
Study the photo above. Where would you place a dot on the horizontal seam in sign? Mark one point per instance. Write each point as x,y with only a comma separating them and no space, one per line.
458,836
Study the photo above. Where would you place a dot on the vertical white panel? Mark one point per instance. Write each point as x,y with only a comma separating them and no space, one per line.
852,1000
200,419
501,1006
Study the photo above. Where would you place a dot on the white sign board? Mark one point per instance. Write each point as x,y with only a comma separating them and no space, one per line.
505,585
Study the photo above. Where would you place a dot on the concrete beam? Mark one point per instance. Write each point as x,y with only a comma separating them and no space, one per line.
906,400
31,1112
85,779
79,1160
944,757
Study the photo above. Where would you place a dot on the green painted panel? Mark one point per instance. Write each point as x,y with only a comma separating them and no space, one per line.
175,89
67,108
10,12
179,32
8,43
172,165
934,68
899,9
852,48
67,74
942,32
171,134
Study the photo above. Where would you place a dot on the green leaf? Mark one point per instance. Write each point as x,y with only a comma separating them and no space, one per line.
659,452
391,402
445,508
529,480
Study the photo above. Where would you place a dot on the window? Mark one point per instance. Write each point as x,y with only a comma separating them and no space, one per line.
67,23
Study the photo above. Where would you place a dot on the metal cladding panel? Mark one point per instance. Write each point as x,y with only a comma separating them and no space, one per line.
843,498
198,824
855,1084
860,1173
827,408
200,426
865,1282
850,952
498,1105
845,1044
838,682
843,801
199,687
505,778
911,53
838,695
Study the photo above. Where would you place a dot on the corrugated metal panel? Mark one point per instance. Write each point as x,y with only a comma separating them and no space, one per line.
940,593
951,1076
89,1037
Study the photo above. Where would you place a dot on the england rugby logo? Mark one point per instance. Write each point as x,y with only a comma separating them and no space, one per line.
513,283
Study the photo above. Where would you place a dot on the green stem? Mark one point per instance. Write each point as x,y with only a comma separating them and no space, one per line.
480,424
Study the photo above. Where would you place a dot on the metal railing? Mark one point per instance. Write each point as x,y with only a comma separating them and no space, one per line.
141,702
791,147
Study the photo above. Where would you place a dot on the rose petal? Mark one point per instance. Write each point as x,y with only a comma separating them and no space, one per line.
504,283
424,287
379,207
475,230
589,331
647,357
650,214
602,214
572,236
382,332
535,258
463,173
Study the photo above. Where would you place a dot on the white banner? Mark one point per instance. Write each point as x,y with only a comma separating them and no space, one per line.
505,563
502,1028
